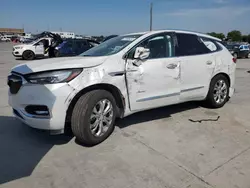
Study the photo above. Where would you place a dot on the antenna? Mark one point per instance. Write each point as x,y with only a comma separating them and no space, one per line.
151,16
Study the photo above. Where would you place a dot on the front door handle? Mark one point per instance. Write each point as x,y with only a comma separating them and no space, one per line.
172,66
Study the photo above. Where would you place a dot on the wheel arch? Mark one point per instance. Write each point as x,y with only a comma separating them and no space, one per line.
27,50
224,74
119,98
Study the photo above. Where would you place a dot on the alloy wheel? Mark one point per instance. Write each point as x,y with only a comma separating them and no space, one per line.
101,117
220,91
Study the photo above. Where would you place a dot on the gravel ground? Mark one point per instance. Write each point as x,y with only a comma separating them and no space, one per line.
159,148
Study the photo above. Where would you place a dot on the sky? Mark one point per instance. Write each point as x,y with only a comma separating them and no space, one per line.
106,17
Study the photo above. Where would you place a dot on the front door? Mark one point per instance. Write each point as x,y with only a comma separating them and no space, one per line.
154,82
39,48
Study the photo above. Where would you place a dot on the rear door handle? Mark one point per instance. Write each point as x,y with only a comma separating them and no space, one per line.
209,62
171,66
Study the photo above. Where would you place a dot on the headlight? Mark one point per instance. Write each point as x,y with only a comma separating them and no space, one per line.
17,48
53,77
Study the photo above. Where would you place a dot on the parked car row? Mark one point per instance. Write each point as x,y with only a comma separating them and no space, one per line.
52,45
121,76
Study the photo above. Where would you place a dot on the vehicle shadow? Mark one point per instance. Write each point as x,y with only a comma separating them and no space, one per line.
158,113
21,148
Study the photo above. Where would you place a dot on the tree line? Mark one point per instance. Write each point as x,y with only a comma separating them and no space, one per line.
234,35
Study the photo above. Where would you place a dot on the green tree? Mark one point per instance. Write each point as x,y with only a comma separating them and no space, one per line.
248,38
234,35
217,35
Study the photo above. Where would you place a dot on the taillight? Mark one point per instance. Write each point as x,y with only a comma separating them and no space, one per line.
234,59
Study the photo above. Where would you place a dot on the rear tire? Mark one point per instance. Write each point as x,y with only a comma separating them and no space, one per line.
57,53
218,93
28,55
86,117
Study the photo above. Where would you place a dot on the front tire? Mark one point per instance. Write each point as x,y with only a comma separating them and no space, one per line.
28,55
218,93
93,117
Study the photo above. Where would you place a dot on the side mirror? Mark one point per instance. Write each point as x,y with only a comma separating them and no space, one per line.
141,53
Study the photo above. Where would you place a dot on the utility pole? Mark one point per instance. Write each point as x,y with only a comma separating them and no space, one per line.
151,15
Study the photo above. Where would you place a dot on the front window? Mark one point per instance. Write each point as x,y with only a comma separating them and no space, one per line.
160,46
111,46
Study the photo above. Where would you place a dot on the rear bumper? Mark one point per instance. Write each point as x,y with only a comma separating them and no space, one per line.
231,92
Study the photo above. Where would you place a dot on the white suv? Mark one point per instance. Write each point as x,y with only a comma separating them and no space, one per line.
32,50
121,76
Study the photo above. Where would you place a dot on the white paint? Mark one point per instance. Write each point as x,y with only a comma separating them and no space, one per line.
149,84
59,63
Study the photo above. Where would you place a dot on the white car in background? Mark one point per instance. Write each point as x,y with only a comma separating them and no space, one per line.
5,39
122,76
32,50
39,47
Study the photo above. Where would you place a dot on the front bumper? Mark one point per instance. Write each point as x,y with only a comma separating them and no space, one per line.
54,97
16,53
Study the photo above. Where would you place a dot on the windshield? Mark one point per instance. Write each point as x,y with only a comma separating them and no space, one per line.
111,46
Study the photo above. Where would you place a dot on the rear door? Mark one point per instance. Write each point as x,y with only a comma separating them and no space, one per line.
197,66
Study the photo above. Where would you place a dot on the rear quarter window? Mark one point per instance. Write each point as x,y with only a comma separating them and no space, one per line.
212,45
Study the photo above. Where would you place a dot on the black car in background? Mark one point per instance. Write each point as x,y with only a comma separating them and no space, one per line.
239,51
74,47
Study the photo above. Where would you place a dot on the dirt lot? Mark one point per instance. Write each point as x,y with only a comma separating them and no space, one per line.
159,148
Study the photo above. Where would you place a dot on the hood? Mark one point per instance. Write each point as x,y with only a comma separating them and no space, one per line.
59,63
20,45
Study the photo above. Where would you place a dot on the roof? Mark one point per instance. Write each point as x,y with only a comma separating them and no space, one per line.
139,33
177,31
